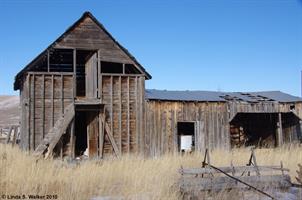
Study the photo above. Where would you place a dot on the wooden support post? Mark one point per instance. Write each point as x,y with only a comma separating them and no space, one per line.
255,162
72,139
111,105
128,114
120,114
33,133
99,75
48,61
52,100
74,73
43,105
123,68
28,112
101,133
15,135
62,94
279,131
9,134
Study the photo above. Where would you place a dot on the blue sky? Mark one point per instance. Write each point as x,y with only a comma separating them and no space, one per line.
251,45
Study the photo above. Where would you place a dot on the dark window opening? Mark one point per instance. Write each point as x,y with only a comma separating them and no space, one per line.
61,60
131,69
186,136
111,67
82,56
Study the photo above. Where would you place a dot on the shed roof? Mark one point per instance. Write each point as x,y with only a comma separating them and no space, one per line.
211,96
85,15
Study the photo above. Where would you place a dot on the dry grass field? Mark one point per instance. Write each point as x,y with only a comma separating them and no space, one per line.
131,177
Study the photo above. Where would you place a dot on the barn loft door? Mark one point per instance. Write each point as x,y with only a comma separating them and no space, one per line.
91,77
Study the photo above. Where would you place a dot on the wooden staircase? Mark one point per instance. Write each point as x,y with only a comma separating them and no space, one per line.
53,136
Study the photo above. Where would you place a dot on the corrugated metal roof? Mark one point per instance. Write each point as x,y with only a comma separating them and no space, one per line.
221,96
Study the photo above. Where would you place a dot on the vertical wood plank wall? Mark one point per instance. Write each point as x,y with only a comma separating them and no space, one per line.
124,97
44,97
161,127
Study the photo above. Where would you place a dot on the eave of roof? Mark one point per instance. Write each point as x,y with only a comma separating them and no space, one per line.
212,96
86,14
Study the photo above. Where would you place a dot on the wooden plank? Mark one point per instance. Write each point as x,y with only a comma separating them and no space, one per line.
9,134
33,136
101,134
111,105
52,101
223,183
128,115
43,105
238,169
48,58
120,114
74,73
72,139
99,84
136,115
28,110
111,138
62,94
279,131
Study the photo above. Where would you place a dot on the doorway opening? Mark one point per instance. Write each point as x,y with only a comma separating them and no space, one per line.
186,136
80,133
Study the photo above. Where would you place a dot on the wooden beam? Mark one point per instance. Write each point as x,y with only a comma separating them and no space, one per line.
33,114
99,81
101,133
43,106
62,94
28,112
123,68
279,131
48,61
74,73
120,115
111,138
52,100
9,134
111,105
72,139
128,114
136,116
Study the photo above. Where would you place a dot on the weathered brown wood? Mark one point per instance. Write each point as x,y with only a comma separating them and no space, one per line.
9,134
279,130
43,106
120,115
236,170
53,136
111,138
33,132
101,134
74,72
72,139
128,115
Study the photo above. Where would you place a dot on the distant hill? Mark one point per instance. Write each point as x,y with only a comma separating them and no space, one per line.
9,110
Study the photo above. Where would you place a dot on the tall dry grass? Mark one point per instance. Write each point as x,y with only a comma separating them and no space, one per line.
131,177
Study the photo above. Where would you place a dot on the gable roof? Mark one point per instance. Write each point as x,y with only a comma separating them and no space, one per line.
211,96
72,27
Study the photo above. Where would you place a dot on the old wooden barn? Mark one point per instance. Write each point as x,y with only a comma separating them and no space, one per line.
85,93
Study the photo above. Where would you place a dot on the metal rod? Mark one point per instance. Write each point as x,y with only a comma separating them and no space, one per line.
244,183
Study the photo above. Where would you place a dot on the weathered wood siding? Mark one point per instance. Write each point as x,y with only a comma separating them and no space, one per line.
88,35
211,124
123,97
264,107
44,97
